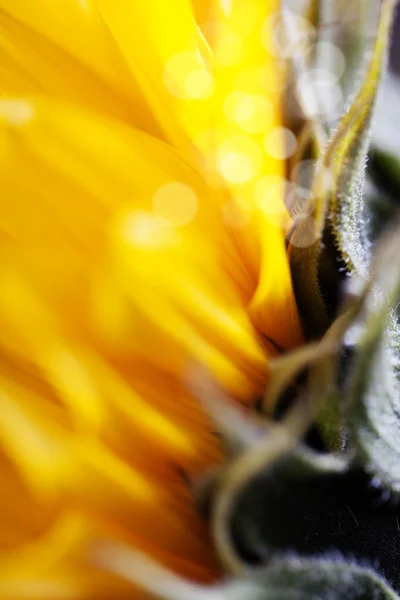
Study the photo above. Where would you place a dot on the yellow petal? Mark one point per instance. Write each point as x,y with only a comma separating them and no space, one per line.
126,261
156,266
23,514
173,74
74,26
106,488
84,68
35,328
247,104
36,451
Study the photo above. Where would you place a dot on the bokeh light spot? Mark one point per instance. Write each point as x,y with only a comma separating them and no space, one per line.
285,34
16,112
187,77
226,42
144,230
252,112
175,202
236,167
303,173
329,57
226,6
199,84
305,233
280,143
269,196
319,94
238,106
239,159
300,202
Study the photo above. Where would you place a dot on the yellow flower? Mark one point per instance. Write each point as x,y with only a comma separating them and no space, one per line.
137,239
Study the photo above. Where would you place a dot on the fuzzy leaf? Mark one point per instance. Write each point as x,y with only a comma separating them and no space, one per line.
269,512
310,579
314,504
374,391
340,50
285,578
337,193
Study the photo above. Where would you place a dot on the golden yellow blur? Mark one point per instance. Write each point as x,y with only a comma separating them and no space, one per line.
136,240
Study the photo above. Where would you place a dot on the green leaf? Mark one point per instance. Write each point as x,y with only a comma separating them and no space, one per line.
310,579
269,508
285,578
313,505
335,209
348,156
373,402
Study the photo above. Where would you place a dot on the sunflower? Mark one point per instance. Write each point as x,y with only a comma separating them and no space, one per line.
142,233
